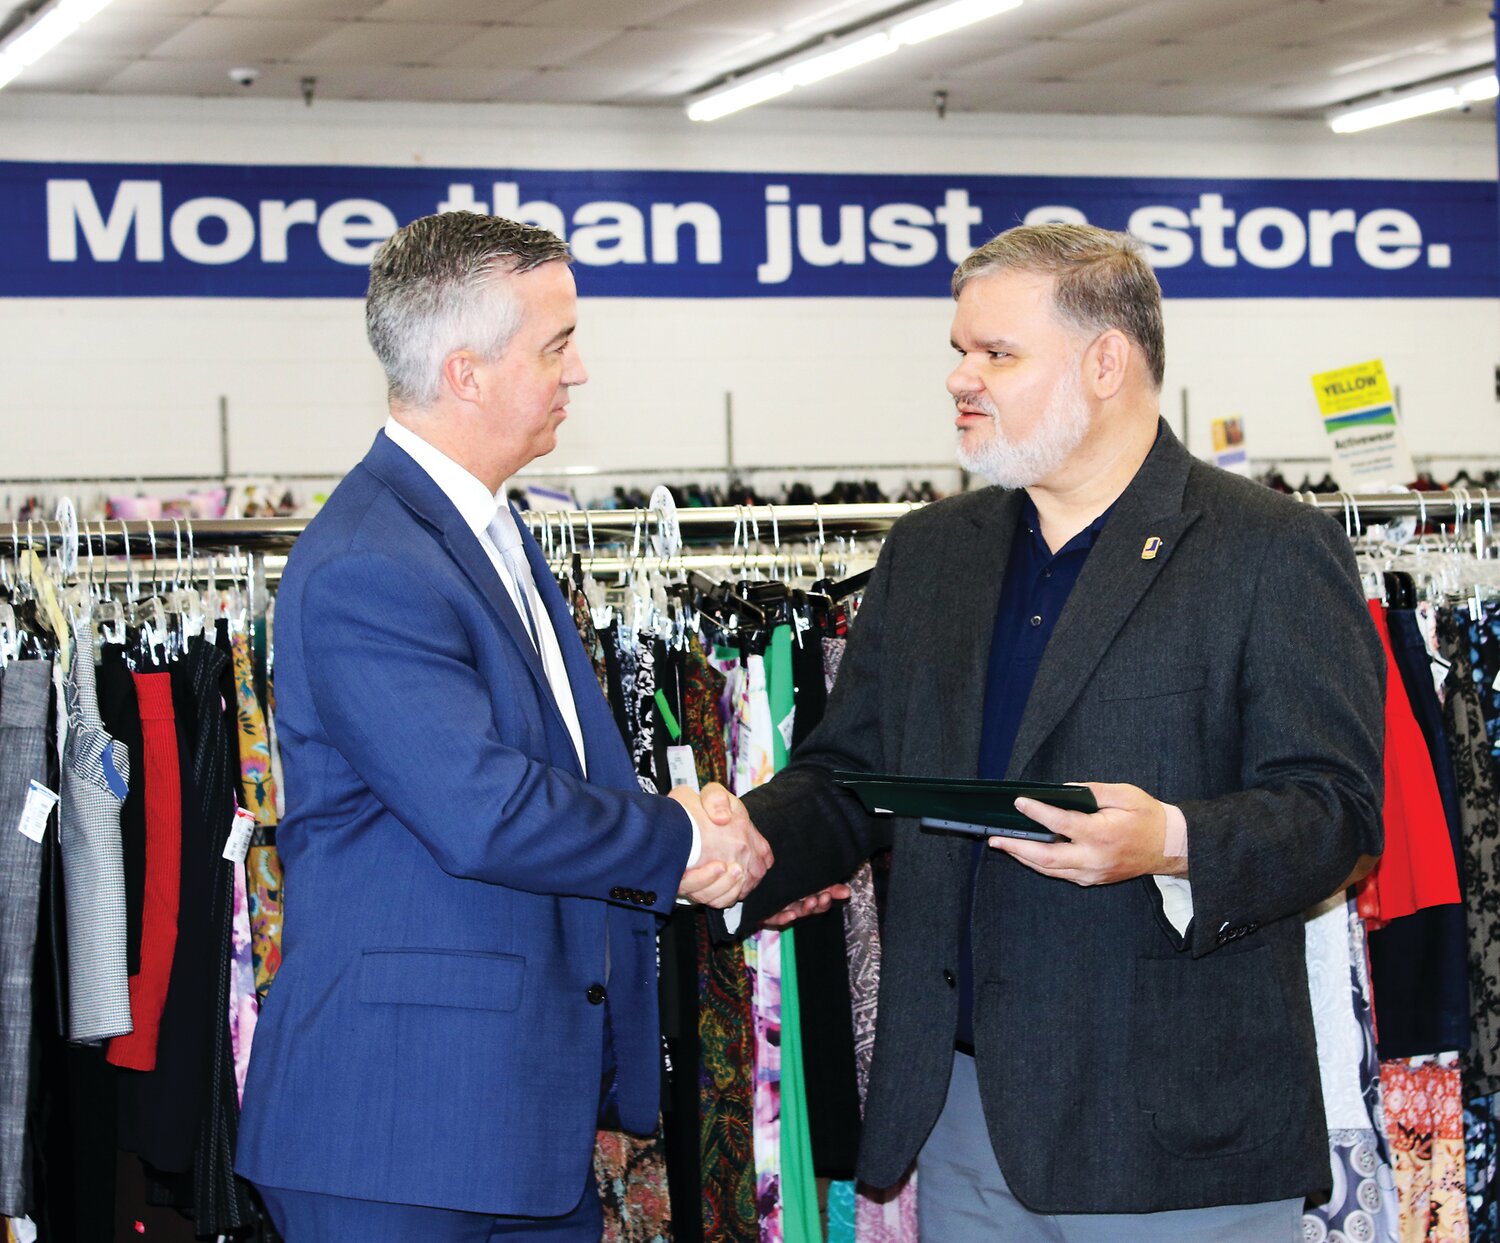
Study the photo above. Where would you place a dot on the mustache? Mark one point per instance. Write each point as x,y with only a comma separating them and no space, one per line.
976,401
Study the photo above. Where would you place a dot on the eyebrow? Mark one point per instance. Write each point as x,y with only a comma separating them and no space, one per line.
997,343
560,337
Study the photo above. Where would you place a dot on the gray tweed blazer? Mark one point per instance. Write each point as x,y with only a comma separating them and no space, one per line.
1237,673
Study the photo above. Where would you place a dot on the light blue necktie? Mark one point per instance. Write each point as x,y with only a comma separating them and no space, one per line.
507,537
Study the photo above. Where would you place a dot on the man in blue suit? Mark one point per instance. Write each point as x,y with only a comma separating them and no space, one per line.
473,875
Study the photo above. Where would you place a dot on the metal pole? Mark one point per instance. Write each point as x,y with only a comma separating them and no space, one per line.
1185,431
729,435
224,438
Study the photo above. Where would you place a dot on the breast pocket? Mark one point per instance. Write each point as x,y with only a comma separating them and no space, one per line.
457,979
1153,681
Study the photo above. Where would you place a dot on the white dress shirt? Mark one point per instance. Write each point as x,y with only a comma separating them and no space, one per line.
479,507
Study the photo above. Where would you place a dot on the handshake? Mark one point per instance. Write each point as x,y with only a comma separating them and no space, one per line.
732,856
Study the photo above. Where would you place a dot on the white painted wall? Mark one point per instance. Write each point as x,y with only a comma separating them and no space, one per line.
117,386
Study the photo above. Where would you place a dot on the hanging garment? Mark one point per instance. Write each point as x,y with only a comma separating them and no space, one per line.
1482,1169
725,1036
244,1003
1479,815
220,1202
1419,962
1417,869
1363,1203
95,780
25,696
823,976
121,714
631,1170
1424,1112
887,1215
1483,633
260,794
161,776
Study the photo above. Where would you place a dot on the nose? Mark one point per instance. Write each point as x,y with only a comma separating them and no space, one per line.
960,379
574,372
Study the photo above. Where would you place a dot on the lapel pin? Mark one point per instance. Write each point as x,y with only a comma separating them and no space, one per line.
1153,546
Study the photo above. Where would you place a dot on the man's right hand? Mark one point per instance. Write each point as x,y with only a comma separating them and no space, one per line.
733,856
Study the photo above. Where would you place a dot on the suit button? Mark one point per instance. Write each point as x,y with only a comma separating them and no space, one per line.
648,899
948,978
595,994
617,893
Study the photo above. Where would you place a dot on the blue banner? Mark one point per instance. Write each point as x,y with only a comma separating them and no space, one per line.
305,231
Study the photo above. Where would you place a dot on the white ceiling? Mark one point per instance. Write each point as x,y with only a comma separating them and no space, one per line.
1151,57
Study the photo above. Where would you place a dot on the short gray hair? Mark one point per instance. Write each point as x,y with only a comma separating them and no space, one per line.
1102,280
433,290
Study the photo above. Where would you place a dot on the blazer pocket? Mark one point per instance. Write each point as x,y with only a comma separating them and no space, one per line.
458,979
1151,681
1211,1035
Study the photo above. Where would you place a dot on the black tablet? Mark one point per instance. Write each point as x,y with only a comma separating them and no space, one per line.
973,808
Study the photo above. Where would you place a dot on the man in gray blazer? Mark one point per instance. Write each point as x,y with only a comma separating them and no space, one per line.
1107,1038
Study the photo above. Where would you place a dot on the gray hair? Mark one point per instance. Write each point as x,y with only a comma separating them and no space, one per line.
1102,280
433,290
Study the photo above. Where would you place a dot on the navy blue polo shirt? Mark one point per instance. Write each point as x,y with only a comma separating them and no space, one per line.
1037,586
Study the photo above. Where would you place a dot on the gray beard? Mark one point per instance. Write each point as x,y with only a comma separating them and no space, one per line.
1008,464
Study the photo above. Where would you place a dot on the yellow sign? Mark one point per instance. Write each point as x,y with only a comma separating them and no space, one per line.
1361,391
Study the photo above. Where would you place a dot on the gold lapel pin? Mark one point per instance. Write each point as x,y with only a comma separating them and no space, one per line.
1153,546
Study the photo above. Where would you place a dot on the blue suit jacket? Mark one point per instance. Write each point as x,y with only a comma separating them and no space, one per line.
456,893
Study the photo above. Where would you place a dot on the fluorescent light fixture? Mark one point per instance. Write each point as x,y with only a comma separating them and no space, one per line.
44,32
739,95
857,47
850,55
1420,101
1480,89
948,18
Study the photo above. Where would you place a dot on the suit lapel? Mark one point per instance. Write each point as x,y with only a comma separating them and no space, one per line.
1114,580
416,490
962,636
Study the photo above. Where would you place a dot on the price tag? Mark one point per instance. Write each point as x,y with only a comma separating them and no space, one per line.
681,768
240,832
39,804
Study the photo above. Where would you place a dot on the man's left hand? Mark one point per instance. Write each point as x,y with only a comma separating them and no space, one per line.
1120,841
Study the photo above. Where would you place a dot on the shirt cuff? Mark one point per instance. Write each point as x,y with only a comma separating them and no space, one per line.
698,841
1176,891
692,860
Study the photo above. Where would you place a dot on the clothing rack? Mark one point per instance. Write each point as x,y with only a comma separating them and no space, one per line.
753,527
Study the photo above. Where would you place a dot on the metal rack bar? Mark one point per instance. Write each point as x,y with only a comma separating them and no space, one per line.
752,524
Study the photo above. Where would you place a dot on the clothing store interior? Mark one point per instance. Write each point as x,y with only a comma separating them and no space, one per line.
764,203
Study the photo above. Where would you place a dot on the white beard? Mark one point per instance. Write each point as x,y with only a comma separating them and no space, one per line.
1009,464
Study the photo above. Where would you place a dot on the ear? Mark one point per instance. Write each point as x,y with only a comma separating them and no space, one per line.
459,377
1106,363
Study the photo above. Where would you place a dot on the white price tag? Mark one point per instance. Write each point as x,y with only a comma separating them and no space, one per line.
39,804
240,832
681,768
788,729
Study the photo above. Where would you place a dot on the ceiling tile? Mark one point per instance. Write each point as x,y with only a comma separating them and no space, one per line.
1161,20
457,85
525,47
1170,63
483,12
242,40
657,52
1032,62
573,86
119,35
385,43
304,8
61,71
616,14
